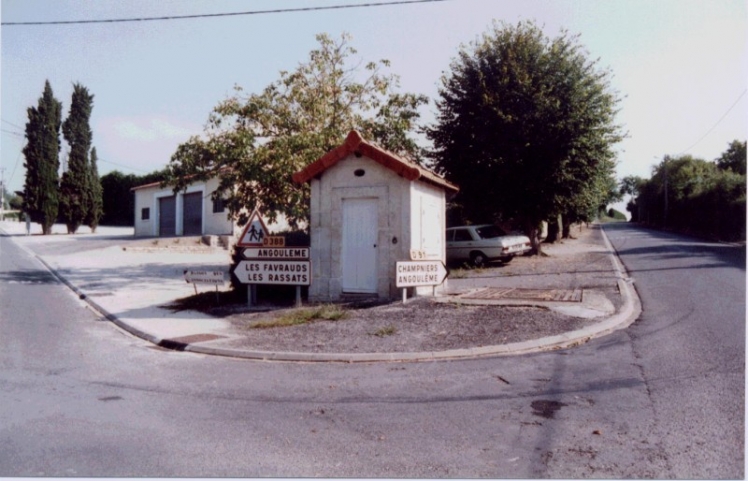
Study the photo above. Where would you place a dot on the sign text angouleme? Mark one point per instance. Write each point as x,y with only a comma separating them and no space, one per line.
276,253
419,273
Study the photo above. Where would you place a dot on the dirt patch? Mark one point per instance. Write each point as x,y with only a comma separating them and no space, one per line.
422,324
419,325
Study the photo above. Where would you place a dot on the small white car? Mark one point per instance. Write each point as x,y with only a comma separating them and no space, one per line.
483,243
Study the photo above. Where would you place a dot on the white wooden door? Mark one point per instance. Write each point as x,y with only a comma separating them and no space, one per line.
359,256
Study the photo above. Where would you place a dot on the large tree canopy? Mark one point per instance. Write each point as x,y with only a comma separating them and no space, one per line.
42,153
255,143
75,186
525,127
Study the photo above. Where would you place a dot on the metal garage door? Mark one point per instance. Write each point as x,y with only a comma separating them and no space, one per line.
167,216
193,214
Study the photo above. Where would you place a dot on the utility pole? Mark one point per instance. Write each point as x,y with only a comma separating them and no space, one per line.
664,220
2,194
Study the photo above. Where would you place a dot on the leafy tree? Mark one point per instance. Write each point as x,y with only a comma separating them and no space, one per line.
118,200
12,200
694,196
15,201
593,198
525,126
255,143
94,198
734,158
631,185
74,188
42,153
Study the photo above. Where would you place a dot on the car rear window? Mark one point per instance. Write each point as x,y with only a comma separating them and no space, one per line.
462,235
489,232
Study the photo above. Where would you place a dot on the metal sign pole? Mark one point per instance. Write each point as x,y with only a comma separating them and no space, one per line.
298,296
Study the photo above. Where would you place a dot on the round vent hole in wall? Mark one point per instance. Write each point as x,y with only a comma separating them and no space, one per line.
359,172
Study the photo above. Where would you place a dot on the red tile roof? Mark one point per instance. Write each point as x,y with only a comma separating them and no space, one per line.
355,144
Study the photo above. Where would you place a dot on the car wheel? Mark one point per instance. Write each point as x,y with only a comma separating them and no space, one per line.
477,259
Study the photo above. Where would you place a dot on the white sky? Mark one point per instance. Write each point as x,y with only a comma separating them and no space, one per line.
679,65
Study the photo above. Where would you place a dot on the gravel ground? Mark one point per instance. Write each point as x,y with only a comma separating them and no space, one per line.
420,325
425,325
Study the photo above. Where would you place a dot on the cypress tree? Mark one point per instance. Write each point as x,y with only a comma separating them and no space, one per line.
42,154
95,199
74,189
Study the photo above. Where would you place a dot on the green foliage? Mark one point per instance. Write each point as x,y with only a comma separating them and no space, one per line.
118,201
695,196
254,143
617,215
385,331
734,158
631,185
42,150
10,200
294,317
14,201
74,188
525,127
94,198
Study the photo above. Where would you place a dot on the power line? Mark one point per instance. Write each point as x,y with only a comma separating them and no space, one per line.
715,125
228,14
18,157
99,159
12,133
12,124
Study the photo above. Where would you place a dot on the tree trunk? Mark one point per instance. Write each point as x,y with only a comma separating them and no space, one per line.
566,229
532,231
555,228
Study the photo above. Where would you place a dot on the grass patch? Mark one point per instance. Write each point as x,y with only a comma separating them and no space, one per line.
459,273
386,331
295,317
204,301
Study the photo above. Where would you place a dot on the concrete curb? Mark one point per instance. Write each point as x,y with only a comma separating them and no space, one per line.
629,312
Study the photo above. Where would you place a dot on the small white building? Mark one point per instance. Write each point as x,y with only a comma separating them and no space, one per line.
159,212
370,209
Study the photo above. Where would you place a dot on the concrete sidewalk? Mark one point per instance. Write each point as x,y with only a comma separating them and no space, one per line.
128,287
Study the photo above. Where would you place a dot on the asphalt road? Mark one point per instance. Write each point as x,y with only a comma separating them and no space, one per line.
664,398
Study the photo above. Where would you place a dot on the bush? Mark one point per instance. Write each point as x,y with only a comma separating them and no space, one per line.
617,215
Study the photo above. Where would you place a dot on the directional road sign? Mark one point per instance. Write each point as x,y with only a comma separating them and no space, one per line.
204,277
291,273
419,273
300,253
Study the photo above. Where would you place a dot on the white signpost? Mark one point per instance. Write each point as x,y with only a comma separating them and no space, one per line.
269,261
204,277
287,273
419,273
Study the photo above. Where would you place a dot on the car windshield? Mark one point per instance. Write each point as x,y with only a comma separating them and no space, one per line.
489,232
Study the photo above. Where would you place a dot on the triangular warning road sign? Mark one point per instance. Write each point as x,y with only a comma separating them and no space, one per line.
254,231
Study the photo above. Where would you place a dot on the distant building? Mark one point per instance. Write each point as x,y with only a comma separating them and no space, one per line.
159,212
